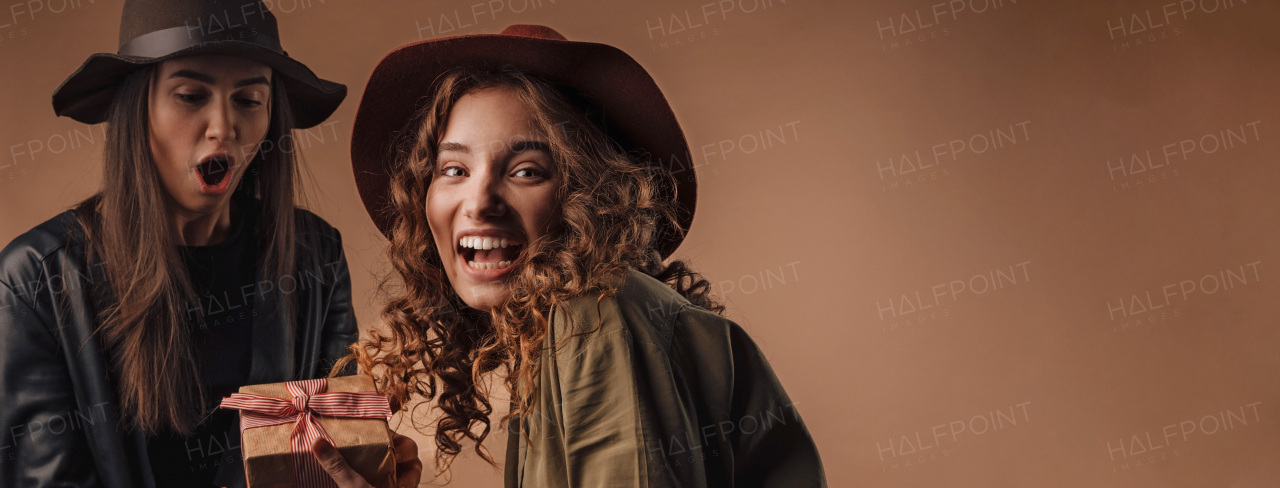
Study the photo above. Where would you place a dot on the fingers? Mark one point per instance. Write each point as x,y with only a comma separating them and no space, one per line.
333,463
408,466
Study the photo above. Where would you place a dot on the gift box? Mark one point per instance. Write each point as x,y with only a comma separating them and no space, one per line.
279,423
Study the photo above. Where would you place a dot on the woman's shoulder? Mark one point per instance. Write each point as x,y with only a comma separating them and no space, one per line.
645,309
50,235
311,227
641,295
51,238
43,253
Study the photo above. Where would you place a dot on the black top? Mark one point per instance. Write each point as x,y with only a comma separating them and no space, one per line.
223,276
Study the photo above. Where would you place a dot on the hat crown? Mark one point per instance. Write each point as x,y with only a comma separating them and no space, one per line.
534,31
153,31
202,19
620,96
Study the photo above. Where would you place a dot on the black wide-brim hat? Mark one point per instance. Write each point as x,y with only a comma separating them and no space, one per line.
634,111
152,31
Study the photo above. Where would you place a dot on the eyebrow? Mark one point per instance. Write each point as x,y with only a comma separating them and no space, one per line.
518,146
530,145
257,80
195,75
454,146
204,78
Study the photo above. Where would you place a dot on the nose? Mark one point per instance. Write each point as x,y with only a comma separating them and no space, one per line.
483,199
222,124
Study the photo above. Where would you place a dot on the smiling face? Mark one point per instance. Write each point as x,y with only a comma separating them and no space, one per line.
208,115
494,190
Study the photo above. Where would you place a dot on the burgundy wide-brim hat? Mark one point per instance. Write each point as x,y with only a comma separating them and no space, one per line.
634,111
152,31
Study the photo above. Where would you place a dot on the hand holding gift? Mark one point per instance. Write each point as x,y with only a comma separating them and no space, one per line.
408,466
281,423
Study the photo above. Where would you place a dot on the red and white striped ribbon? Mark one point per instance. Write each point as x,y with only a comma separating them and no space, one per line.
309,400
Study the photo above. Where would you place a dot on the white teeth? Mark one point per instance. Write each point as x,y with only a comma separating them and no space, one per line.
497,265
485,243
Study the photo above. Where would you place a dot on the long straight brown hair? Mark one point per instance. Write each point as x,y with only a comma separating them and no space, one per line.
144,327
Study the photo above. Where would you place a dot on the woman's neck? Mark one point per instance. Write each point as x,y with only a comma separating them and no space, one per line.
203,229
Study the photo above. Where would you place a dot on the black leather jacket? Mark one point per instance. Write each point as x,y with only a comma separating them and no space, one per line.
59,419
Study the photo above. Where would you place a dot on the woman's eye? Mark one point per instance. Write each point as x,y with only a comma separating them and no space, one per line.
249,103
452,171
192,98
529,172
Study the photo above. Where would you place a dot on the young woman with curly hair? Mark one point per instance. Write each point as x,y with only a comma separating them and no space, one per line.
531,197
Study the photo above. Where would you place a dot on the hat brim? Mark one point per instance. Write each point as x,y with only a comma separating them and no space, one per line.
635,112
87,94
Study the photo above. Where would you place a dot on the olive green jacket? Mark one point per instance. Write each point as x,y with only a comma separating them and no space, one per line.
662,394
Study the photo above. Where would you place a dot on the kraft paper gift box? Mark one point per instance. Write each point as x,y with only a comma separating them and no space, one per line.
357,424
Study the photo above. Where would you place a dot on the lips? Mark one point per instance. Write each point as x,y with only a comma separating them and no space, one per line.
213,173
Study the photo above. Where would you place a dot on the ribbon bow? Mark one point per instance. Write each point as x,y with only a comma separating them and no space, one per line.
309,400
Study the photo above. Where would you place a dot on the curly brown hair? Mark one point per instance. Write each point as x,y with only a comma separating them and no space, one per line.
612,204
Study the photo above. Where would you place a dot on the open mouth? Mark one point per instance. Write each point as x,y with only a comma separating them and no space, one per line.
214,171
486,253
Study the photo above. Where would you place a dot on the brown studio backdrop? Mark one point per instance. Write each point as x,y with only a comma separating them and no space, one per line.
982,242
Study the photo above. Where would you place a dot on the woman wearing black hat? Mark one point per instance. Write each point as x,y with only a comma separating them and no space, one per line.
190,273
530,202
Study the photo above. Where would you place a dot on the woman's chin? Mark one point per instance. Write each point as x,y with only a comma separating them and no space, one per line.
204,204
481,287
484,296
